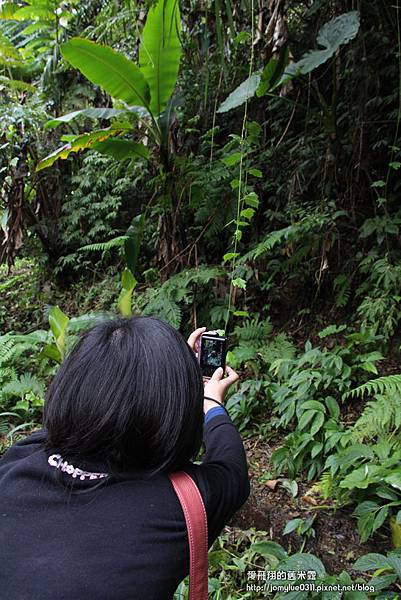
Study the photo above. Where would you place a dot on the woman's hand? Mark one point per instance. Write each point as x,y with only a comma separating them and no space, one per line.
216,387
194,339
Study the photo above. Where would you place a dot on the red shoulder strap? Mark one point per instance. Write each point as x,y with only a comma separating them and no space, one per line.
196,520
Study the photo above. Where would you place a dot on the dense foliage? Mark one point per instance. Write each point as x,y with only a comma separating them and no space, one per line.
234,164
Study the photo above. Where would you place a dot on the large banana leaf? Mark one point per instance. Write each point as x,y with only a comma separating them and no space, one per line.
105,67
331,36
242,93
121,149
160,52
92,113
80,142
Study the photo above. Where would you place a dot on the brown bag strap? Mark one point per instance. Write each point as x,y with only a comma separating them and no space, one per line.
196,520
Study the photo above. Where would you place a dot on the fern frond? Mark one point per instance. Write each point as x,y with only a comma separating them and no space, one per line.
380,416
272,240
164,308
102,246
389,384
280,347
324,487
7,374
253,331
19,387
6,349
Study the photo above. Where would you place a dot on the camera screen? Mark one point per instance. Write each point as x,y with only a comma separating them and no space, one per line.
212,353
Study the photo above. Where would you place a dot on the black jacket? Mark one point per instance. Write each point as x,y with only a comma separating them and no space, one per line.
69,535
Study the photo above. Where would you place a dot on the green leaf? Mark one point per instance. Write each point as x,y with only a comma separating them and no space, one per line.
303,562
44,13
109,69
371,562
241,94
232,159
317,423
240,283
316,449
241,313
364,508
255,173
331,36
394,480
128,283
380,517
160,52
292,526
314,405
251,199
386,493
360,478
306,417
247,213
230,256
92,113
291,486
78,143
269,549
121,149
369,367
51,351
333,407
330,330
267,77
58,324
383,583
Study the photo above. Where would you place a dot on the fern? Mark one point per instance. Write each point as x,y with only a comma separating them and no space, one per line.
177,286
12,348
389,384
19,387
296,231
164,308
380,416
104,246
325,486
273,239
165,302
280,347
253,331
6,349
342,288
7,374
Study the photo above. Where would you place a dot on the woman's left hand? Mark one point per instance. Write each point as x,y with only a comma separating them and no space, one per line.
194,339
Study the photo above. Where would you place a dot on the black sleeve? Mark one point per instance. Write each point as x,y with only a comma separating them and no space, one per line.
223,475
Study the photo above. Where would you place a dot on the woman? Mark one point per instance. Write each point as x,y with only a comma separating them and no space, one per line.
87,511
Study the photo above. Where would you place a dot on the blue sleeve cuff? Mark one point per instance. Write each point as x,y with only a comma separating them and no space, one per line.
213,412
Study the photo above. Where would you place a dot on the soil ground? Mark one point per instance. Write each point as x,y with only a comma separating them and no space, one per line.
336,542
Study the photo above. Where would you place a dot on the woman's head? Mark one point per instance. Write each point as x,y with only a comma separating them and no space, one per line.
130,393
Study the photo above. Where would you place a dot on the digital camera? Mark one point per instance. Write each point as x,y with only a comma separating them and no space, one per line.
212,353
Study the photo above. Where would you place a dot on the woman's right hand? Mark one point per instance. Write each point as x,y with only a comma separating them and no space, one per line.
216,387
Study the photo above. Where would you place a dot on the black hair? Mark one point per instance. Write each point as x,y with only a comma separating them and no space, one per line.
130,395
